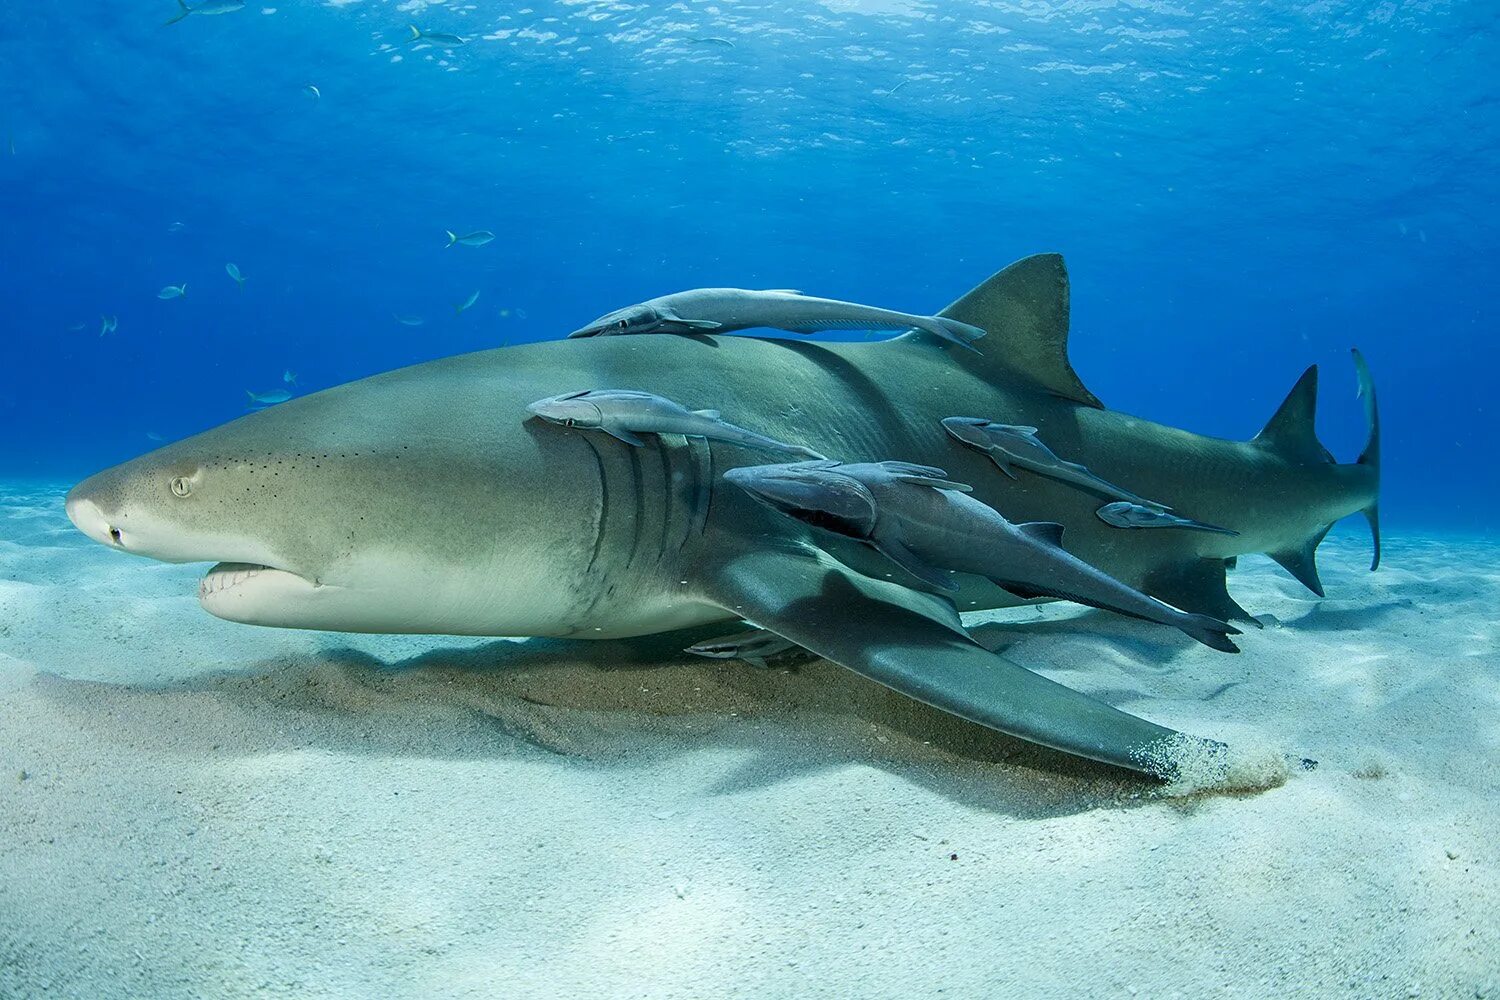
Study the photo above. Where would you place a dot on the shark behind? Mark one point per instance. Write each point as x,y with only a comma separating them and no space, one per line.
424,500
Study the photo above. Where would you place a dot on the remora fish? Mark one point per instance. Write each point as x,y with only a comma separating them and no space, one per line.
580,540
173,291
206,8
233,270
438,38
1012,444
461,307
1122,514
478,238
757,647
625,413
930,526
720,310
268,398
408,320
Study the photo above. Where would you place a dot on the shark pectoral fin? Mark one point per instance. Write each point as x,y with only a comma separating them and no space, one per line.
896,637
621,434
1197,586
908,560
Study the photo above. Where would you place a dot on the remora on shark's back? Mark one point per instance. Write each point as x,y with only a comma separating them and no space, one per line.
421,500
722,310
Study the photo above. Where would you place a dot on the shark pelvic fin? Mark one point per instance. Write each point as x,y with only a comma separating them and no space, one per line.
1302,562
1024,310
1371,455
1290,432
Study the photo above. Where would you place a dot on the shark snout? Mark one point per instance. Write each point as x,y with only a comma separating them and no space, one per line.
88,518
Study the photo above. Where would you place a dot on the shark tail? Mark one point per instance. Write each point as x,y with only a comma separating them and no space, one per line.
416,32
1290,434
452,236
1371,455
186,10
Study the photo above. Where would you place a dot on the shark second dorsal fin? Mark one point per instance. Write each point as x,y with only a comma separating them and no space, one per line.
1290,432
1024,313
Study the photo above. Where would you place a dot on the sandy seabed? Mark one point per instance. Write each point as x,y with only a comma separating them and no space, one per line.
191,808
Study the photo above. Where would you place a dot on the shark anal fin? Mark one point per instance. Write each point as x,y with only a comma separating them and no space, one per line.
1198,586
1302,562
886,633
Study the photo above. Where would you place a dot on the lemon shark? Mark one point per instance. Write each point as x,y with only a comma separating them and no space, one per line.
428,500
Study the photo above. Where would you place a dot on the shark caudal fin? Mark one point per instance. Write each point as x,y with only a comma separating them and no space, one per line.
185,11
1024,313
1371,455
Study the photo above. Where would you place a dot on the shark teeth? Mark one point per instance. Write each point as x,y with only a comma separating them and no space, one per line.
226,576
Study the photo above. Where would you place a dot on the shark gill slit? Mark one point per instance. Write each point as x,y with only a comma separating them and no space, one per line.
602,522
632,453
664,454
703,486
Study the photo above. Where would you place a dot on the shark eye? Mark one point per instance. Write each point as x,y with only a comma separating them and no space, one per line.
569,422
180,487
622,324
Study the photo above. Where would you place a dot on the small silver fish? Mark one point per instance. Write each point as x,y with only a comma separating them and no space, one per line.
1132,515
478,238
408,320
712,40
313,90
75,327
153,436
208,7
176,227
466,304
108,324
439,38
624,413
233,270
271,398
173,291
289,377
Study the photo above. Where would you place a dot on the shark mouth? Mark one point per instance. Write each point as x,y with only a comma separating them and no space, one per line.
242,590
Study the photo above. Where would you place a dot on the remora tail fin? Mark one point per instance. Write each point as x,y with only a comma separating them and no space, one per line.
1371,455
1024,312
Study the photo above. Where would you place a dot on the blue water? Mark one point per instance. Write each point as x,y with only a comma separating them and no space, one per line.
1239,192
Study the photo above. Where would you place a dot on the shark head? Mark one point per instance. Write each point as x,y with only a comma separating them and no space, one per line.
815,493
362,511
642,318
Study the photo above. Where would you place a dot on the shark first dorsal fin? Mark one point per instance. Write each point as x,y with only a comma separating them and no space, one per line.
1024,313
1290,432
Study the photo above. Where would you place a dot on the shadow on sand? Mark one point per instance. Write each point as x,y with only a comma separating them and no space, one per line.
619,704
